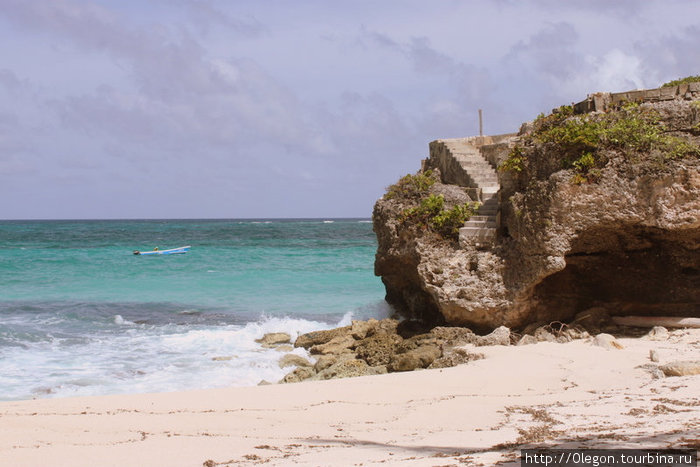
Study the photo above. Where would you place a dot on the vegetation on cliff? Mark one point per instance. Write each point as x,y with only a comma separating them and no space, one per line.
412,186
429,211
585,143
686,80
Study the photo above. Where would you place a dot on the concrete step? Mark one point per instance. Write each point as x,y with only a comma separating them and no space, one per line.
483,216
480,230
469,159
481,180
480,224
476,165
479,217
469,165
467,156
477,233
485,175
480,170
459,145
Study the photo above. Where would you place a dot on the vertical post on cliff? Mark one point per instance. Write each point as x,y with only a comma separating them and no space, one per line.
481,127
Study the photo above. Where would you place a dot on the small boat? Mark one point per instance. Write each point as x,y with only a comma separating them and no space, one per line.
172,251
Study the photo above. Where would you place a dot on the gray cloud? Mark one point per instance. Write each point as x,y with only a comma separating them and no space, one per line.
550,53
206,108
673,55
206,15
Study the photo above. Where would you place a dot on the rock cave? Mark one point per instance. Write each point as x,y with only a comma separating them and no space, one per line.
627,270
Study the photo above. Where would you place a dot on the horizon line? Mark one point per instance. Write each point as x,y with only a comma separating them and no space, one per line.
182,219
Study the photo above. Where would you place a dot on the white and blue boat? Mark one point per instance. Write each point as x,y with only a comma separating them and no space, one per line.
172,251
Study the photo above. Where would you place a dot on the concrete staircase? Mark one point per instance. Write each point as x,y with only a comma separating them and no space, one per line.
479,230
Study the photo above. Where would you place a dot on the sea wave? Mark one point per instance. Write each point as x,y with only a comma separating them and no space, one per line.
142,358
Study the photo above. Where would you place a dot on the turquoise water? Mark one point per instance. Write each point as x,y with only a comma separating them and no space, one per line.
80,314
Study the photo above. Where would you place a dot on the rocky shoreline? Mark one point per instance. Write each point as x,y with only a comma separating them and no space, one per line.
376,347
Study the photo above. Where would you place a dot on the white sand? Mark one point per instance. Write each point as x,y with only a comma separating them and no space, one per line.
556,395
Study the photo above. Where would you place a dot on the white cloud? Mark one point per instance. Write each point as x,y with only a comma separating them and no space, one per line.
617,71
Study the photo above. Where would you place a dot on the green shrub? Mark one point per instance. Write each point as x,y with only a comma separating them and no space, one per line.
580,139
686,80
430,214
412,186
428,208
448,222
515,161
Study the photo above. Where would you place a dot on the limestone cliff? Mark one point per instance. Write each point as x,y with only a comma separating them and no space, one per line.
596,208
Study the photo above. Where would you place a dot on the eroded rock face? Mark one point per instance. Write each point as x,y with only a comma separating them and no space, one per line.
630,243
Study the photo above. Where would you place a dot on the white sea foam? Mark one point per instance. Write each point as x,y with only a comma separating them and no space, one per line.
118,319
347,319
189,311
146,358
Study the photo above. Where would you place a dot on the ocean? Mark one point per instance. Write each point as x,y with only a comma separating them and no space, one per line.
81,315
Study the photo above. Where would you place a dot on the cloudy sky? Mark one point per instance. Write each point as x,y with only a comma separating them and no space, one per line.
279,108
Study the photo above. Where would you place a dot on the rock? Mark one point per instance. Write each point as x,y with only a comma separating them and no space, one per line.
274,338
653,355
527,340
623,235
542,334
346,369
337,345
653,370
293,360
264,383
298,374
500,336
572,333
378,370
607,341
359,329
310,339
284,348
387,325
421,357
326,361
454,336
410,327
458,356
222,359
681,368
658,333
416,341
563,338
378,349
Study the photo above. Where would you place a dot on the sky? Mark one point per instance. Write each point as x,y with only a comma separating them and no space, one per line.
115,109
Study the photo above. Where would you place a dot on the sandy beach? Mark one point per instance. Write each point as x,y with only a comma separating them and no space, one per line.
573,395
